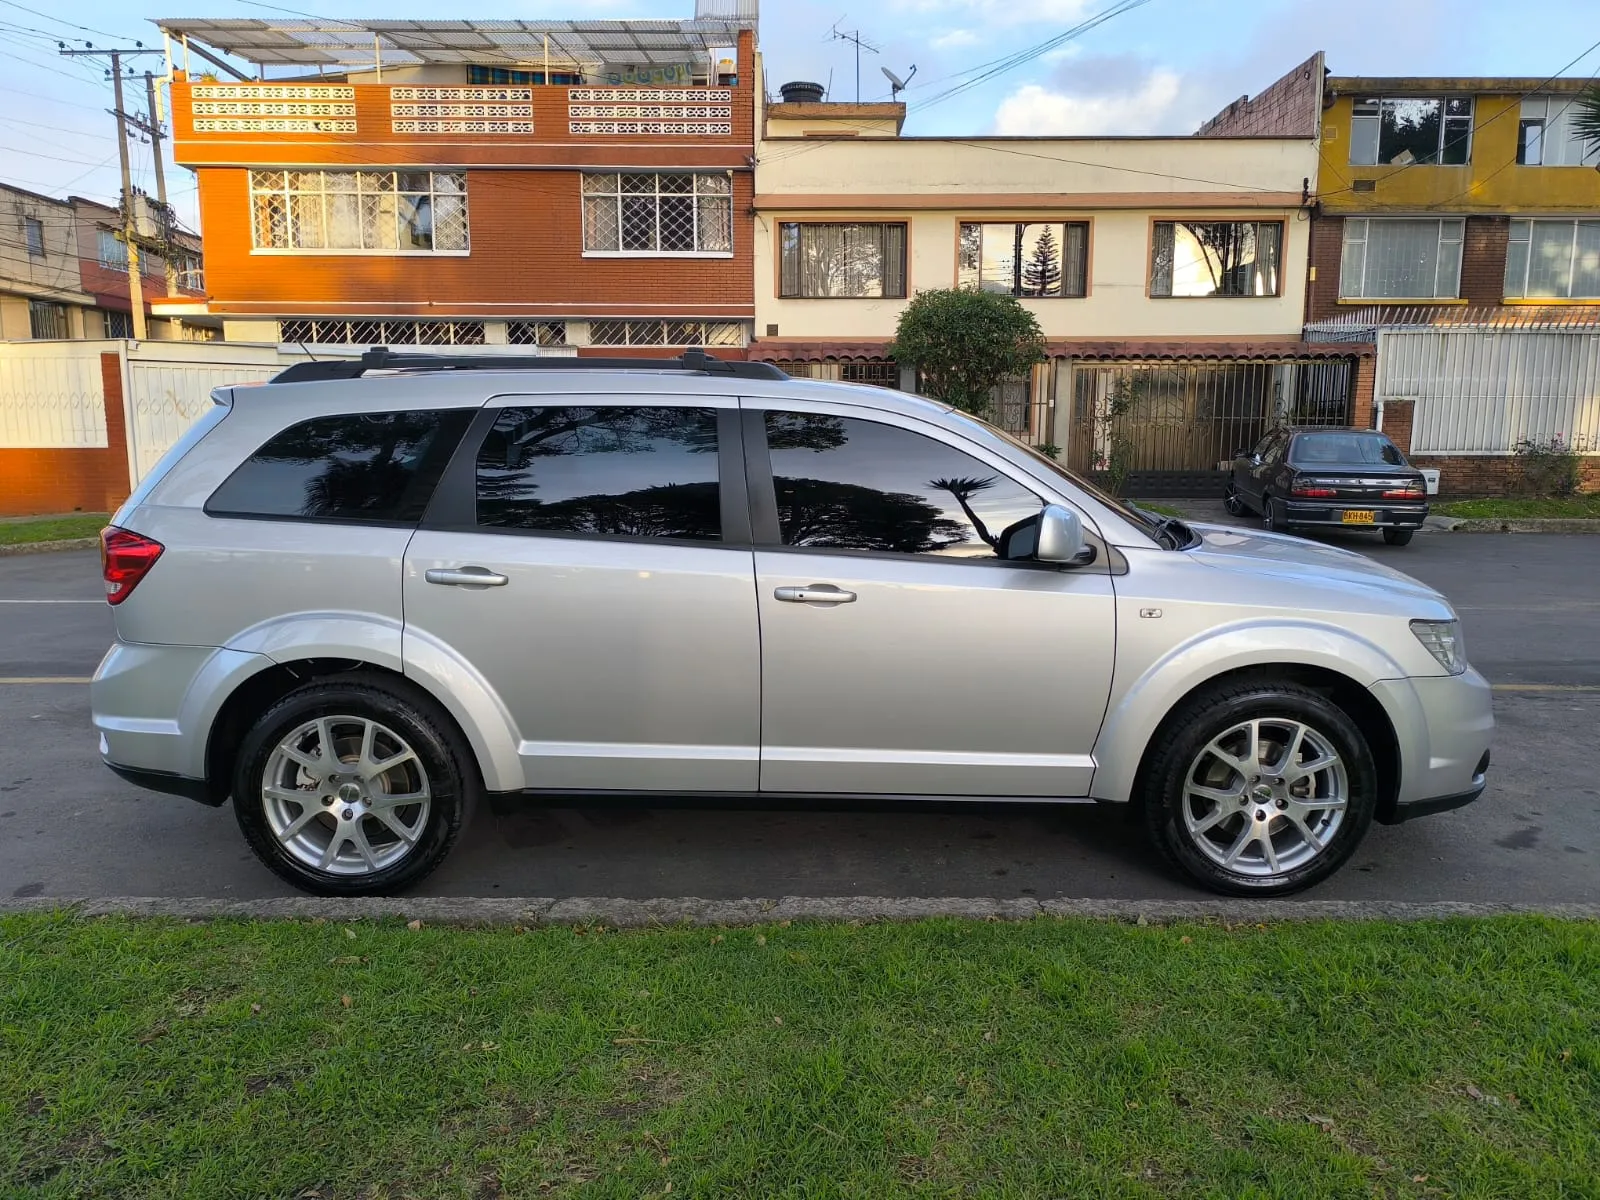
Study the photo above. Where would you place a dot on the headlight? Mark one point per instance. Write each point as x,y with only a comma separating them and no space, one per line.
1443,640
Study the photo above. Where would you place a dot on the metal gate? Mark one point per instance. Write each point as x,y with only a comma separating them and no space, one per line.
1169,428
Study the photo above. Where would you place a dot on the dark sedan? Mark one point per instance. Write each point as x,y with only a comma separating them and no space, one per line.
1329,479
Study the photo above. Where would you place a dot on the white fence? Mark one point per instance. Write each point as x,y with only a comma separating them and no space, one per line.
1481,391
50,397
52,394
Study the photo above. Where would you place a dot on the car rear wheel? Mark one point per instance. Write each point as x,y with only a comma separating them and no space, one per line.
1232,501
353,786
1271,518
1398,537
1259,789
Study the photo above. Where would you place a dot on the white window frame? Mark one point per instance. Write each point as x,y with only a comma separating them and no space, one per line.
1550,113
117,261
694,194
631,325
377,252
1364,224
1523,226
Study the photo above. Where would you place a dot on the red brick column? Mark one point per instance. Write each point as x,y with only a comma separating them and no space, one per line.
1361,400
1397,415
114,471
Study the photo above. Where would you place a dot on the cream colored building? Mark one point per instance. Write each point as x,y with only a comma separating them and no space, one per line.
1171,266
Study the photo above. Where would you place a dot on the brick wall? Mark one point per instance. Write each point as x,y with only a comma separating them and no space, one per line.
1490,474
1361,398
70,480
1397,417
526,260
1288,107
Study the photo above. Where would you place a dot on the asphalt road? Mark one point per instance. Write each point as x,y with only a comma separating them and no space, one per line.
1532,613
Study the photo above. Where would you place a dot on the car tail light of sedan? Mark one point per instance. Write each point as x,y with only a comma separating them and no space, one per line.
1316,489
1411,490
125,558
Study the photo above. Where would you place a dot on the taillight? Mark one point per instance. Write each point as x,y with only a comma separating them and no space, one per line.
125,559
1316,493
1410,492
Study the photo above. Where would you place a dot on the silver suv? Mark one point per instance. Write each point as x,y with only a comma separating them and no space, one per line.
364,596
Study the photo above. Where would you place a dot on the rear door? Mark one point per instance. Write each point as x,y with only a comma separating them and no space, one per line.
900,653
589,556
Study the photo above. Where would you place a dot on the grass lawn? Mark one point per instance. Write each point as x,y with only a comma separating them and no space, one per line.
51,529
1161,510
1511,508
1053,1059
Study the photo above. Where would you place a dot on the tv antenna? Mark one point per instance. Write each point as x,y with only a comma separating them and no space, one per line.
896,84
853,36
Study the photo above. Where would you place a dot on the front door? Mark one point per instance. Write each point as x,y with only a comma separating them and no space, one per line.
589,557
900,653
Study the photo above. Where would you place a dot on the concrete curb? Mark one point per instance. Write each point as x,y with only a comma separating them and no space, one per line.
50,547
1513,525
694,911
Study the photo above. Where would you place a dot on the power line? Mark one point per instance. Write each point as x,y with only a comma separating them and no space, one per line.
57,20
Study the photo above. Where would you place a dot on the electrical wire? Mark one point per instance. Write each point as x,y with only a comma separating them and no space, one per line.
59,21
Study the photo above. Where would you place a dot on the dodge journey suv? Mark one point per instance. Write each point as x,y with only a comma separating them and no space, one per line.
366,596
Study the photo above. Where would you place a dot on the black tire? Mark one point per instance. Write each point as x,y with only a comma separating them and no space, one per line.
1208,715
439,747
1233,501
1270,520
1398,537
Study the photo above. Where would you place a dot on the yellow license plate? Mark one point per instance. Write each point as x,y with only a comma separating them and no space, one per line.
1359,516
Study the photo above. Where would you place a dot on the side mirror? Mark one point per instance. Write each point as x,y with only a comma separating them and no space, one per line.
1061,538
1242,452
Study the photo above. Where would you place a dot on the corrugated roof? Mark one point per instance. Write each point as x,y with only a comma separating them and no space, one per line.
328,42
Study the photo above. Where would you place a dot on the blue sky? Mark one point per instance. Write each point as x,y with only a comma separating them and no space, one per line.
1160,68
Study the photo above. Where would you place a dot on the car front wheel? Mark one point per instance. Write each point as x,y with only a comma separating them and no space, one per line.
353,785
1259,789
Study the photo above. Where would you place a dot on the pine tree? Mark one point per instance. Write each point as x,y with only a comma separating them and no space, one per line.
1042,274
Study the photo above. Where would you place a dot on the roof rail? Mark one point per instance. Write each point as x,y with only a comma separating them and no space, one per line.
381,358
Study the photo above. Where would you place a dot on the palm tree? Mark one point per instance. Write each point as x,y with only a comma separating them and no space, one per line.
963,489
1584,118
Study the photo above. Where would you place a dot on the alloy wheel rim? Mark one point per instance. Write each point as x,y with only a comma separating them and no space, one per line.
1265,797
345,795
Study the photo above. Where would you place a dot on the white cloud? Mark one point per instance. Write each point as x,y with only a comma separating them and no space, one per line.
994,13
1033,110
954,39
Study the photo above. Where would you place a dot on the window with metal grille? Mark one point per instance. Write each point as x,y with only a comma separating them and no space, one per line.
536,333
1401,258
633,213
48,320
881,372
1553,260
666,333
367,212
1403,130
843,261
33,233
381,333
118,324
1215,258
1025,259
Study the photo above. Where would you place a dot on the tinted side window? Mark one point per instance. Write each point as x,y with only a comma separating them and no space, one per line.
848,484
378,467
1274,452
622,472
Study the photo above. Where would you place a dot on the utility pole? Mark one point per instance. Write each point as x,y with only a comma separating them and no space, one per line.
129,233
153,128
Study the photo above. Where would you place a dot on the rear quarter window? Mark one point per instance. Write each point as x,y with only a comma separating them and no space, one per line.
370,467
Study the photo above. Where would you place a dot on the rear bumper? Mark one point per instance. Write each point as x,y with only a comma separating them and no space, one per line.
1331,515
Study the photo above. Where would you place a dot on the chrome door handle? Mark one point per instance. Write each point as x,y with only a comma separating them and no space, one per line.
816,593
465,577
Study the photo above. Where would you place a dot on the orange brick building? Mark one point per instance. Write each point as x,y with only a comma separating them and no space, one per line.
542,183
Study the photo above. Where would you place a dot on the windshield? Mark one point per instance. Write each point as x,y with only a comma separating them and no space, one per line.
1354,449
1147,521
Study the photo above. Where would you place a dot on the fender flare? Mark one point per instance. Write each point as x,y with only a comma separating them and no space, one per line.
1136,713
406,651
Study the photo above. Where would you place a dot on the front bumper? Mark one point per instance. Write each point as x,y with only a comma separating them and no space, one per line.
1443,725
1330,514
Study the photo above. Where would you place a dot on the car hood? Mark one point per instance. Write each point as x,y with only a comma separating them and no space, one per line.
1317,566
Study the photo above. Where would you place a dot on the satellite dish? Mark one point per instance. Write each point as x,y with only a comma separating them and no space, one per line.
896,84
